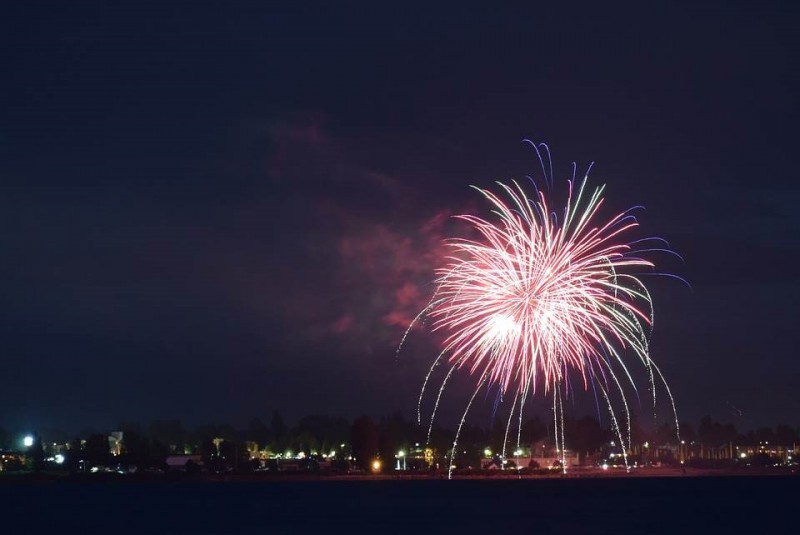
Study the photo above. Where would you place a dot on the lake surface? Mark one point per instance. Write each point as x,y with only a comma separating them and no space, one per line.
676,505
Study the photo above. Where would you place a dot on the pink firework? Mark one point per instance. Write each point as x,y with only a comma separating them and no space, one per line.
542,297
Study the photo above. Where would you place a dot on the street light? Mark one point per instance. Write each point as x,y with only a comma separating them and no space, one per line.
402,454
27,441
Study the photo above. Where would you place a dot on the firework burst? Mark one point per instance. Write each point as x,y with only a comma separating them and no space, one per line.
545,297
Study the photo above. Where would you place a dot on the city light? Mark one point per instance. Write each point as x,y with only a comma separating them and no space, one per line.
401,455
376,465
487,452
27,441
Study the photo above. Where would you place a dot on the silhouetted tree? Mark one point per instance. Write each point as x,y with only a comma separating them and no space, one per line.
471,443
665,434
441,439
233,455
131,427
158,454
208,451
87,432
304,441
278,427
785,435
364,438
258,432
498,433
205,433
585,435
765,434
394,433
638,435
712,433
533,431
97,450
169,432
227,453
36,453
192,468
136,449
728,433
227,431
328,432
74,455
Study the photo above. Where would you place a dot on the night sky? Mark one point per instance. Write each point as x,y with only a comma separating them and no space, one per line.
209,213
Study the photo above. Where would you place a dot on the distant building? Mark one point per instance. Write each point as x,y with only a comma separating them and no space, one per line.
182,462
784,454
11,461
695,450
548,456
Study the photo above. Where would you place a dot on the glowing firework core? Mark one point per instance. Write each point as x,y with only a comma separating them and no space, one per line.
501,327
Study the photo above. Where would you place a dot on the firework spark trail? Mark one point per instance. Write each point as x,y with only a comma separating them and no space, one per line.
508,424
536,299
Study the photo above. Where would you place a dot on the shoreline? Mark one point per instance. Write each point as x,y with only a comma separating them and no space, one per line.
574,474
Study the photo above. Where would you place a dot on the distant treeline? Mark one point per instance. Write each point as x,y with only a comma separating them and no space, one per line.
365,438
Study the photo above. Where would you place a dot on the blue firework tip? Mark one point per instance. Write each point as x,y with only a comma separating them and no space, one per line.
542,153
669,275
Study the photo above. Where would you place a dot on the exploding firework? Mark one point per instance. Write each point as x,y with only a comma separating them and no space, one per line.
543,298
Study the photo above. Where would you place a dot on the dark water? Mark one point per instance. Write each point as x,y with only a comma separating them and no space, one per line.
724,505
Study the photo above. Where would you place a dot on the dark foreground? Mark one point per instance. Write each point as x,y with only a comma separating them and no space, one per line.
593,505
